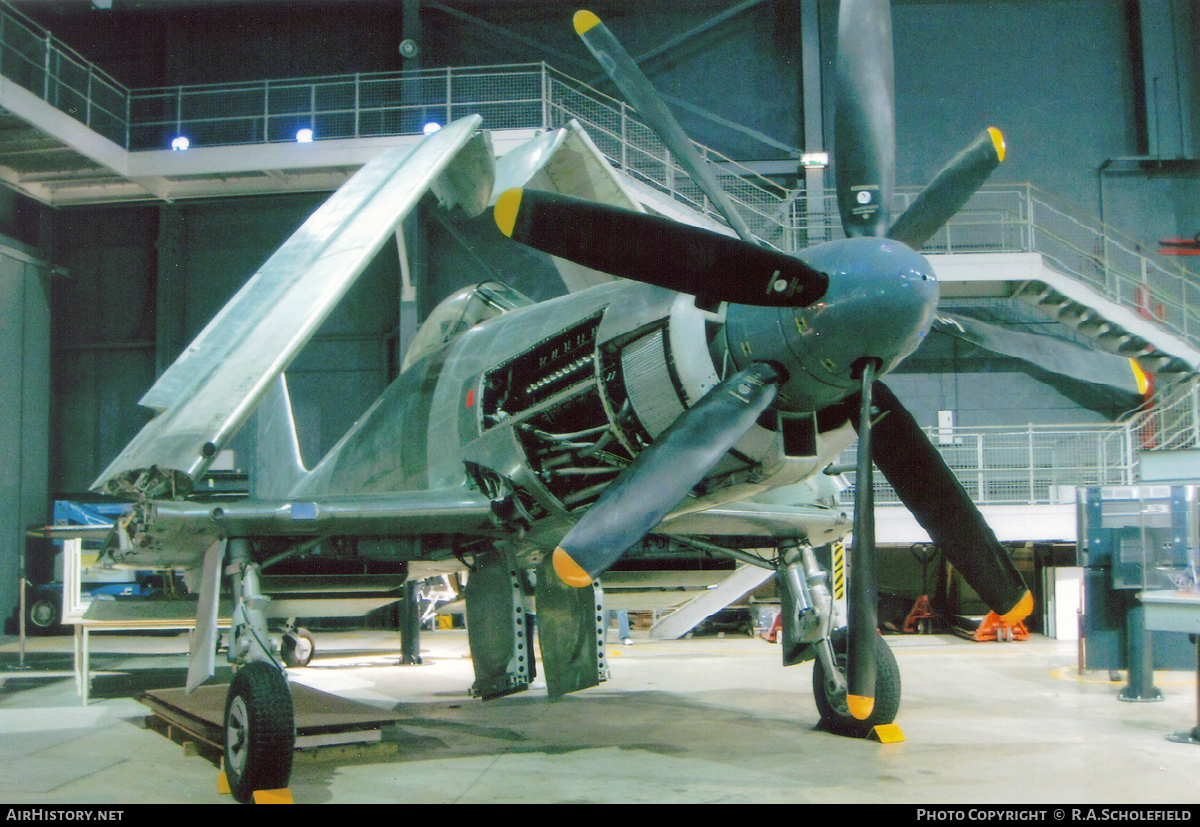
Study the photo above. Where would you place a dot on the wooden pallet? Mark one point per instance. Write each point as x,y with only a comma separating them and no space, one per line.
321,719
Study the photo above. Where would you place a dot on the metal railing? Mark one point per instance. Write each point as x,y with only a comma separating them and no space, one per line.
38,62
995,465
1171,422
1039,464
336,107
997,219
1115,265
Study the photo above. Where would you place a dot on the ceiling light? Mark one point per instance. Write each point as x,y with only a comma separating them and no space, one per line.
814,160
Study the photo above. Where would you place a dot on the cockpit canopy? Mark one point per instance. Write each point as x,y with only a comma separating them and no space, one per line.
460,311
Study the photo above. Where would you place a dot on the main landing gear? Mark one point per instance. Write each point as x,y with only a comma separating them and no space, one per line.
260,733
807,632
260,721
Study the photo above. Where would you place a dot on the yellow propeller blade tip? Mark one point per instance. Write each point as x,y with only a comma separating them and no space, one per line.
997,141
569,571
507,206
1019,612
1141,377
585,21
860,706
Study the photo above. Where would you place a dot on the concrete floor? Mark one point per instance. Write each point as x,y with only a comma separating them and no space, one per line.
702,720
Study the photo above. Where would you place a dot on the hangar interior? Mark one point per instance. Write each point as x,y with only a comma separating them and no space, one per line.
1078,366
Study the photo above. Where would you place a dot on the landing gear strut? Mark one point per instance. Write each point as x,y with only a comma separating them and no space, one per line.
807,632
260,722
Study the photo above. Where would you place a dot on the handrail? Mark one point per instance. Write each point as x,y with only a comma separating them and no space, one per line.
34,59
1017,218
1035,465
1171,422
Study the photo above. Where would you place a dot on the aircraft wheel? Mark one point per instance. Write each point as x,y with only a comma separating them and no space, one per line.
43,612
835,717
260,731
298,649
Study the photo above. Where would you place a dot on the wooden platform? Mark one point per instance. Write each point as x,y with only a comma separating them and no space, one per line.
321,719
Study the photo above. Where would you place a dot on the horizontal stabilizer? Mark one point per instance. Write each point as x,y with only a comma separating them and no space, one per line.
210,391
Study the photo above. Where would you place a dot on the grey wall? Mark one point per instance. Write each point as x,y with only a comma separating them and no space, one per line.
149,44
24,409
1065,80
1055,76
103,337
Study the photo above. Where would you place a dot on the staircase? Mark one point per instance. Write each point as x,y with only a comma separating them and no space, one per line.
71,134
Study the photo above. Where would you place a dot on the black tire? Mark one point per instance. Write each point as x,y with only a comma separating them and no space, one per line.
43,611
834,717
260,731
298,649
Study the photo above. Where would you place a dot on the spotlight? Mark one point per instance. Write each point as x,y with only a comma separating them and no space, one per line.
814,160
304,136
180,143
431,127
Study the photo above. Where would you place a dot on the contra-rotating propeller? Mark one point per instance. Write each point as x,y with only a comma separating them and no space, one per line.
717,268
864,143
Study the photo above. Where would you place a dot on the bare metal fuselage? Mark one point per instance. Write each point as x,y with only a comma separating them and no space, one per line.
511,429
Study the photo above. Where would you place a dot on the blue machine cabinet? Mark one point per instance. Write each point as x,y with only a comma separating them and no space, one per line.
1135,539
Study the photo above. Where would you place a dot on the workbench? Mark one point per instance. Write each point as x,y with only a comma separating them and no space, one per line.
1177,611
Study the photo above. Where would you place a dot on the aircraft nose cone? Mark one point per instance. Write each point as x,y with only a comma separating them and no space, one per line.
880,305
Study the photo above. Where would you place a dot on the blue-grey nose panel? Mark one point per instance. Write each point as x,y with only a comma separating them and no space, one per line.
879,306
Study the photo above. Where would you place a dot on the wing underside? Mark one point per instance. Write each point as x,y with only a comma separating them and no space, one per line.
160,534
806,523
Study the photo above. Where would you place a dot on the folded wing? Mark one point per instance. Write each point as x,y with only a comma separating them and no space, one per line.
207,395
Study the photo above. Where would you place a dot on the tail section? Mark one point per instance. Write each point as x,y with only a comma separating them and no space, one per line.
278,466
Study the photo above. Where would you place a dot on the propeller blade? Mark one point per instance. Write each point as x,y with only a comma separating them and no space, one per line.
864,122
1119,379
640,93
940,504
950,189
663,474
657,250
863,609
